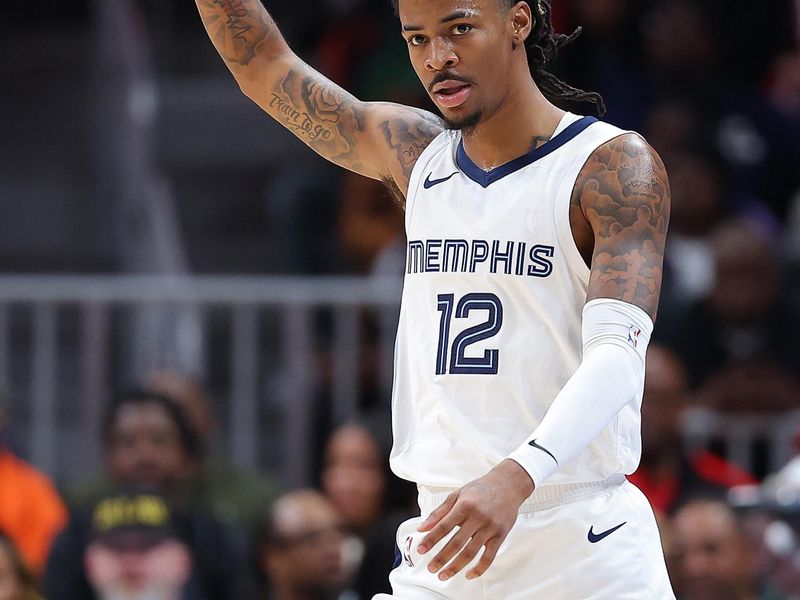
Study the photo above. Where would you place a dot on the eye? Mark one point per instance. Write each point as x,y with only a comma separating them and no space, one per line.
416,40
461,29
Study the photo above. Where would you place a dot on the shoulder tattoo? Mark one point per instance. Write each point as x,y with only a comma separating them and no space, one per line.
624,193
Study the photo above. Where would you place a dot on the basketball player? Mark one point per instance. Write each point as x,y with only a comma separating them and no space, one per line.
535,250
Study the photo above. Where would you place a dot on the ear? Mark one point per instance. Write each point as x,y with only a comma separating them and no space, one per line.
521,22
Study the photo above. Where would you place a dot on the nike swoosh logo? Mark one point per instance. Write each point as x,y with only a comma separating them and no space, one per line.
429,183
596,537
543,449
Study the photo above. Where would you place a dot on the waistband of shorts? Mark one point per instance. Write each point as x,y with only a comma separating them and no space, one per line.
542,498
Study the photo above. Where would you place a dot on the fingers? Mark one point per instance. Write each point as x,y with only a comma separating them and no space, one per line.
476,530
486,560
464,558
440,531
456,543
438,514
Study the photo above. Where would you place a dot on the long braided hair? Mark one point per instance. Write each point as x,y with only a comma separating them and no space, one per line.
542,47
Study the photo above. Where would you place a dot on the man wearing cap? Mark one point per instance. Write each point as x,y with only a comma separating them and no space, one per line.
135,553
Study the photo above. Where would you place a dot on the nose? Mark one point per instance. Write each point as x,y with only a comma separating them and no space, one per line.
441,55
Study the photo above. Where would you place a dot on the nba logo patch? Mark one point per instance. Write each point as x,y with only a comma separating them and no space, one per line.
633,335
407,551
532,223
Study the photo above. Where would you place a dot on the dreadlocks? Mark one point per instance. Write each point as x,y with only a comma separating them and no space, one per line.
542,48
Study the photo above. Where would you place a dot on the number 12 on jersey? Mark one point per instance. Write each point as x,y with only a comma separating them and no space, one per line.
459,362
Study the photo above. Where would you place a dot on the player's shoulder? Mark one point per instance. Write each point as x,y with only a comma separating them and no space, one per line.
625,154
625,171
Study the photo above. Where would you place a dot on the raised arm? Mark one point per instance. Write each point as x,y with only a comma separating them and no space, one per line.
624,193
379,140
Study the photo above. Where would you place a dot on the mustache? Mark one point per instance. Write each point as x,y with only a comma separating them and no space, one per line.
447,76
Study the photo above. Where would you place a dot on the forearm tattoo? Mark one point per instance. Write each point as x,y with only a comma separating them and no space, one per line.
237,27
624,192
336,125
320,113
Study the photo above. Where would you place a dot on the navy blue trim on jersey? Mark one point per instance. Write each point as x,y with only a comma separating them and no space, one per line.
398,557
486,178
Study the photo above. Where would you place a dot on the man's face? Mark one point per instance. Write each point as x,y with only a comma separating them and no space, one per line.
159,572
308,557
712,554
461,52
145,447
353,476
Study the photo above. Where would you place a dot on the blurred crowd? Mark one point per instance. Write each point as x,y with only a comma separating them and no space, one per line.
715,87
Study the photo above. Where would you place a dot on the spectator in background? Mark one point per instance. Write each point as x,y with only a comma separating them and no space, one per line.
784,85
31,511
667,475
696,181
150,445
149,442
232,494
301,549
605,57
371,231
136,554
17,582
682,49
686,57
744,320
357,481
715,558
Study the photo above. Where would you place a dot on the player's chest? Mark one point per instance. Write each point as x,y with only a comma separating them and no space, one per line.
517,209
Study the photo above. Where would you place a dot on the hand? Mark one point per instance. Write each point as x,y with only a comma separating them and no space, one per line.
484,510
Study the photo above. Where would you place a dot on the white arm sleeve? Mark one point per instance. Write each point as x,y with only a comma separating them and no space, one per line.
611,374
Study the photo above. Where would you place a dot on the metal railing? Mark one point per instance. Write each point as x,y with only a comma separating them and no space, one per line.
67,342
59,382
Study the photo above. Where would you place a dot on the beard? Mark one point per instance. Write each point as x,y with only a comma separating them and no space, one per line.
321,590
467,125
152,592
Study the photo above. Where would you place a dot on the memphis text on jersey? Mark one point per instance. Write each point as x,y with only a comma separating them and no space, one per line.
480,256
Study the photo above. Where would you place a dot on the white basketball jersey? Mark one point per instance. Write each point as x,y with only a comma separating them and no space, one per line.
490,323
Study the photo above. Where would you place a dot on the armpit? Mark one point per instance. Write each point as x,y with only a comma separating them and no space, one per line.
406,134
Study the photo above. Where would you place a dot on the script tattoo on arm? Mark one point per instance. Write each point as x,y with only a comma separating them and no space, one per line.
320,113
624,193
379,140
237,27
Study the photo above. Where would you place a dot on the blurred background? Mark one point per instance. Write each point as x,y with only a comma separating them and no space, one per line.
197,313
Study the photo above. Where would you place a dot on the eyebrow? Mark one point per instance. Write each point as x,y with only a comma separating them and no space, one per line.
459,14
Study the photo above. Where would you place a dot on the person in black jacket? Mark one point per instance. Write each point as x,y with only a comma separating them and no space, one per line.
152,448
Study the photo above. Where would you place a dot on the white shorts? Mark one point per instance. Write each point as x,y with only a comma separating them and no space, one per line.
570,548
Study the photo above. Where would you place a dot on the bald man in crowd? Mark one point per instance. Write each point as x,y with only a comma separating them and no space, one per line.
301,550
715,558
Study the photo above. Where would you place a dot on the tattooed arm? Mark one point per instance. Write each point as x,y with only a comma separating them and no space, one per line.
623,193
379,140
